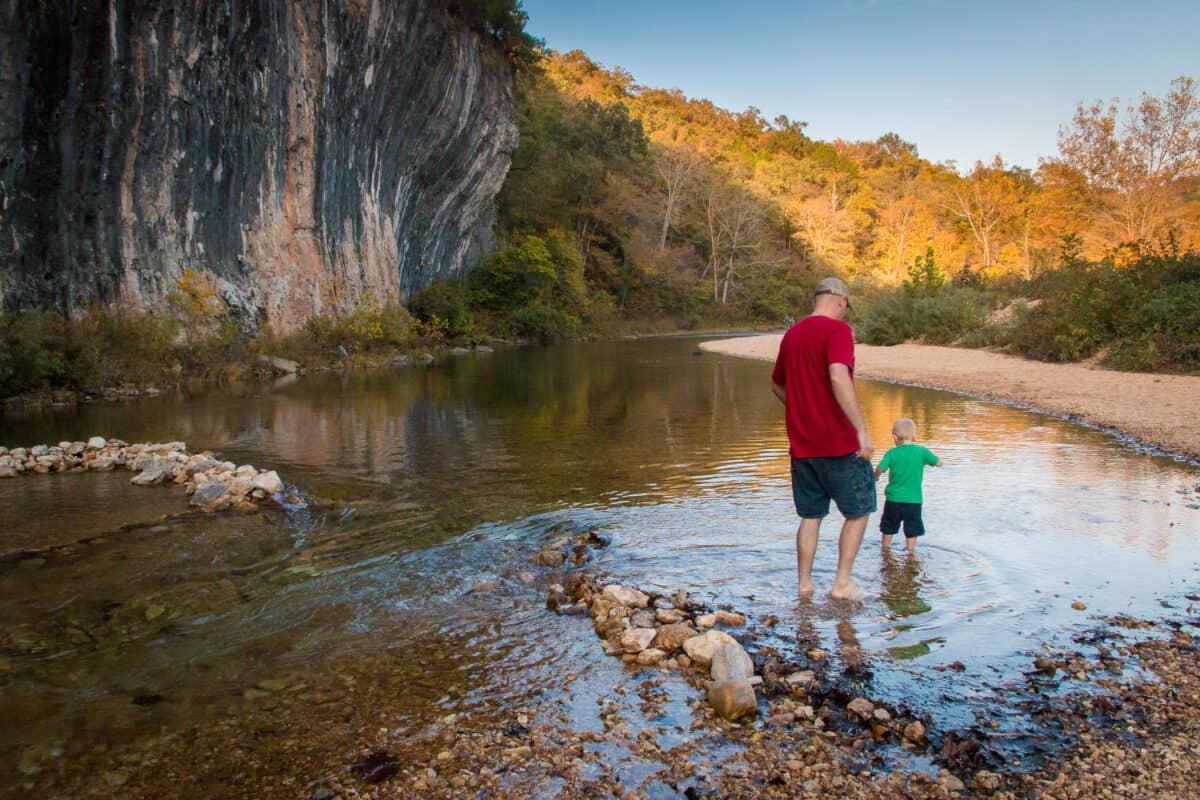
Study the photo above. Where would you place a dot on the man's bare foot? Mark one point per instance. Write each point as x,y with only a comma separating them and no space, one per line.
807,588
849,591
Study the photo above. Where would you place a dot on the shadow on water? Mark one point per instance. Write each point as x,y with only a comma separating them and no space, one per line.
249,652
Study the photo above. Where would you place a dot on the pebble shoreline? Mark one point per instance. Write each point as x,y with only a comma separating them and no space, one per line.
211,483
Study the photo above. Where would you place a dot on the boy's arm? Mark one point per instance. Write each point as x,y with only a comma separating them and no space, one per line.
878,472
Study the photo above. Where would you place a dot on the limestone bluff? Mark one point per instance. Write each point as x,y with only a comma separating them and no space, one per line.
301,152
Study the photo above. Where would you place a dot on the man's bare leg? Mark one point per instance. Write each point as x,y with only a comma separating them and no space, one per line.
844,587
806,552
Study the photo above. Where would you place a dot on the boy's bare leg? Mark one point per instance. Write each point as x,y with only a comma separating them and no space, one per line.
806,551
910,542
887,541
844,587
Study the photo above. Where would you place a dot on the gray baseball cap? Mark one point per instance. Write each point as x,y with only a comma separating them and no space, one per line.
834,286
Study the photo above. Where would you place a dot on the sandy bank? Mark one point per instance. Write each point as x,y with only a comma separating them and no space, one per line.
1161,410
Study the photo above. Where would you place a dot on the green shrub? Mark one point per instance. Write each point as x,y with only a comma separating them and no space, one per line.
545,324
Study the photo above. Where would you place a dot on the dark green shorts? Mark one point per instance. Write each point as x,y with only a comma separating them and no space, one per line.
847,480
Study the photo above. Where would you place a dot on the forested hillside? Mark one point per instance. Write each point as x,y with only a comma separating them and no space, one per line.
628,202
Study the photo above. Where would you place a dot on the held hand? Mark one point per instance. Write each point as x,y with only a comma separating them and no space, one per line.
866,448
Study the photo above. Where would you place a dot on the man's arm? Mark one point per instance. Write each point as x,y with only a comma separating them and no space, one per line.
779,392
847,400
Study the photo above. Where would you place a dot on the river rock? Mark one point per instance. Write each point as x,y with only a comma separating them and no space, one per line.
7,471
861,707
209,496
701,648
97,443
643,619
731,663
38,450
553,556
732,699
669,616
706,621
102,464
246,471
269,482
672,637
279,364
914,732
650,656
149,477
637,639
802,679
626,596
729,619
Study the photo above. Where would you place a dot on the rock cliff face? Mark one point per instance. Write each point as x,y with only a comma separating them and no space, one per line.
301,152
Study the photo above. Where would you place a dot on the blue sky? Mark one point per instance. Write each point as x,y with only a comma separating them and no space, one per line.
963,79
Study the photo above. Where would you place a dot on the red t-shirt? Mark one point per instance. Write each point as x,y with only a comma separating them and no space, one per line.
816,425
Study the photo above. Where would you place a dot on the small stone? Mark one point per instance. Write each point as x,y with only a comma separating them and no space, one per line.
1078,606
985,781
914,732
861,707
781,720
669,616
651,655
803,678
637,640
732,699
882,715
951,783
728,619
706,621
672,637
149,477
626,596
551,556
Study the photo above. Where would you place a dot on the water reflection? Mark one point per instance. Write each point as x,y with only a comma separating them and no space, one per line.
255,638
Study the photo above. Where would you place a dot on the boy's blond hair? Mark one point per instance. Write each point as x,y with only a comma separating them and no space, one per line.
904,428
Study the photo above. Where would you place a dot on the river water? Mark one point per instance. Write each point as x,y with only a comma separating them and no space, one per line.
249,654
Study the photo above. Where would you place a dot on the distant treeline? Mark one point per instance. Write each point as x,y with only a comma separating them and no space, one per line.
627,203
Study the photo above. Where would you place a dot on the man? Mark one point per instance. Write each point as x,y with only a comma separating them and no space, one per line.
829,443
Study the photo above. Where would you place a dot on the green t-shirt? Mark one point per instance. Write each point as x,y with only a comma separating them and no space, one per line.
905,465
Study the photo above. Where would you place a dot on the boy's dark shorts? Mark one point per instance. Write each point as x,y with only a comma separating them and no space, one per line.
848,480
909,513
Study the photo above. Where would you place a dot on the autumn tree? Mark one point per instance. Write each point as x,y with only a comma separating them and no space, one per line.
676,168
1136,161
987,197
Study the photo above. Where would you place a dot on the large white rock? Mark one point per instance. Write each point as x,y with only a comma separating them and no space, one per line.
626,596
702,648
269,482
97,443
731,663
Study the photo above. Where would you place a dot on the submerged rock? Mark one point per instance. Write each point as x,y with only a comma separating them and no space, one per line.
732,700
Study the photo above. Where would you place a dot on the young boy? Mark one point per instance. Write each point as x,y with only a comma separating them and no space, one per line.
906,463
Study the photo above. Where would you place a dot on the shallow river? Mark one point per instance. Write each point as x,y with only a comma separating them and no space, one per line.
249,654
